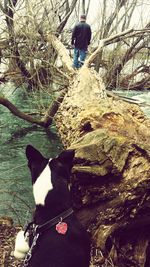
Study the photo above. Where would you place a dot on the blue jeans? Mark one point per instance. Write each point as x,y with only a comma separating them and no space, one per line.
78,57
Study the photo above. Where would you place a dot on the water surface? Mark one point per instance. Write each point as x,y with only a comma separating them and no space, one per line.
16,198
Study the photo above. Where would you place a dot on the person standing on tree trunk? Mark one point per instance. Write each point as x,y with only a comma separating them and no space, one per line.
80,40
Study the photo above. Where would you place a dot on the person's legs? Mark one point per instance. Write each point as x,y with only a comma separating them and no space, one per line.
82,54
75,58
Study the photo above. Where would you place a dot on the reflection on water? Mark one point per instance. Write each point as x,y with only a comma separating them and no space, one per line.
15,184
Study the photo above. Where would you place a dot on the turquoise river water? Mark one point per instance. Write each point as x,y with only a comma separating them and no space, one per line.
16,198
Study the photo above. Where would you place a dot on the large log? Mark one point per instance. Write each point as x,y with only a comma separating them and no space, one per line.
111,173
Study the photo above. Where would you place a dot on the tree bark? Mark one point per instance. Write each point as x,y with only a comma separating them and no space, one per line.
111,173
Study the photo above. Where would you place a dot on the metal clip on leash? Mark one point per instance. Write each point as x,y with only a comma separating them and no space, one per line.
29,254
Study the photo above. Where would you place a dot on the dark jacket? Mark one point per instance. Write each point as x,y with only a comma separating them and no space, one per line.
81,35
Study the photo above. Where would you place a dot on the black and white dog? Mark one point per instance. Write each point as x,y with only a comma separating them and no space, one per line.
56,237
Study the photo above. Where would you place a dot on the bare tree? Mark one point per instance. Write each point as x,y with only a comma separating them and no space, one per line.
120,54
31,55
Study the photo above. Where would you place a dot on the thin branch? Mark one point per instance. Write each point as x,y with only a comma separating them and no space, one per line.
53,109
63,23
113,17
14,110
48,117
62,52
88,6
115,38
83,6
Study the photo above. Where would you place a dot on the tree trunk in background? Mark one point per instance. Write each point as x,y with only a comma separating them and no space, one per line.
111,173
15,61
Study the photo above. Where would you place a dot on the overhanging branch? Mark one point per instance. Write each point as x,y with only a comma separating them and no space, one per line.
44,122
114,39
15,111
62,52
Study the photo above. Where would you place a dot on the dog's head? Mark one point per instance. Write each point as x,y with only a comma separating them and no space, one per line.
48,174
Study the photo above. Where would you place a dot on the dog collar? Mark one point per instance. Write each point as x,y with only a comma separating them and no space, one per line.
37,229
55,220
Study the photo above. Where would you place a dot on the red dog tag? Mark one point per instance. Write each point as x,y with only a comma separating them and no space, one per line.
61,228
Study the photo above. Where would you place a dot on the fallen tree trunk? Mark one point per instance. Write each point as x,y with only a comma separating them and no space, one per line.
111,173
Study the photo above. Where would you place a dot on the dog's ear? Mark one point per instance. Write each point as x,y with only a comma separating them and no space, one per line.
33,154
66,157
